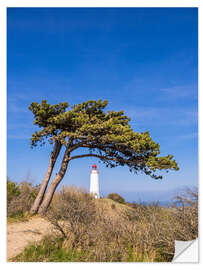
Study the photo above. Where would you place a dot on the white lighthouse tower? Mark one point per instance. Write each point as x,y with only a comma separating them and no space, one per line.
94,181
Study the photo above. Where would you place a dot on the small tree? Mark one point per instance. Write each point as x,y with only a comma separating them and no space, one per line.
106,135
116,197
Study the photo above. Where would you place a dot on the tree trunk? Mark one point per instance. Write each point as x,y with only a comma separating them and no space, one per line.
52,161
49,195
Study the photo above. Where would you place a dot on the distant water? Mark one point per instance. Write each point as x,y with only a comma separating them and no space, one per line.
161,203
162,197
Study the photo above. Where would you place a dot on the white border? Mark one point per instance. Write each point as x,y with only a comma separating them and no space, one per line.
76,3
3,128
100,3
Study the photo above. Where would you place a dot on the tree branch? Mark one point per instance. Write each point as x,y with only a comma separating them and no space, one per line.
105,158
92,155
69,143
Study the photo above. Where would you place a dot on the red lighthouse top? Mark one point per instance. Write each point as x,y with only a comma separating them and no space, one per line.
94,166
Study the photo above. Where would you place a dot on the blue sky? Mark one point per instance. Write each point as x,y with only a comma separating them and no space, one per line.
142,60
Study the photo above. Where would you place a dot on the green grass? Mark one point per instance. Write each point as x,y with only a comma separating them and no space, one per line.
49,250
17,218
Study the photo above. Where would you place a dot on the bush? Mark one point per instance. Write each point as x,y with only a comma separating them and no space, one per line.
116,197
185,214
25,194
12,191
72,211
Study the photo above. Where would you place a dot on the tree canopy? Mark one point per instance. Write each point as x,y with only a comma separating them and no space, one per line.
106,135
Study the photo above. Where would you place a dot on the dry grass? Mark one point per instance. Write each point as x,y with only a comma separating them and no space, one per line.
110,231
105,231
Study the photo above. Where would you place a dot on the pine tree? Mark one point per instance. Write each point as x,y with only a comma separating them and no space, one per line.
106,135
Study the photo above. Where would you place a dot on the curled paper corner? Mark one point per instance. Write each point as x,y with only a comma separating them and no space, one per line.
186,251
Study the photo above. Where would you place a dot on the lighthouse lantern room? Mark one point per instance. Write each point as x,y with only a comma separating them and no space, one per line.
94,181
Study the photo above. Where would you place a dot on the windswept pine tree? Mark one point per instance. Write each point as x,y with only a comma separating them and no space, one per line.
105,135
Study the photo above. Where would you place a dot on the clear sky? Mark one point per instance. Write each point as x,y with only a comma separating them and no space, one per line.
142,60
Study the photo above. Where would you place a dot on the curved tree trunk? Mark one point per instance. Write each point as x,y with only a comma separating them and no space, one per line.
49,195
52,161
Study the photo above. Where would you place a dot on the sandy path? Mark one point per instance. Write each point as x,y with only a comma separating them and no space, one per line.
19,235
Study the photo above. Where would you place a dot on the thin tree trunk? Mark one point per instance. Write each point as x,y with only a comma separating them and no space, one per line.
52,161
49,195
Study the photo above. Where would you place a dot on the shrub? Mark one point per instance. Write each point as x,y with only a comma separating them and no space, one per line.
22,202
93,226
72,212
185,214
12,190
116,197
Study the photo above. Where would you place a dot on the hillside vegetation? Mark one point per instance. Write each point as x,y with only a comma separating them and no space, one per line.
20,197
102,230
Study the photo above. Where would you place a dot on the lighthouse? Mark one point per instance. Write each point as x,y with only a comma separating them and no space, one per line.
94,181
